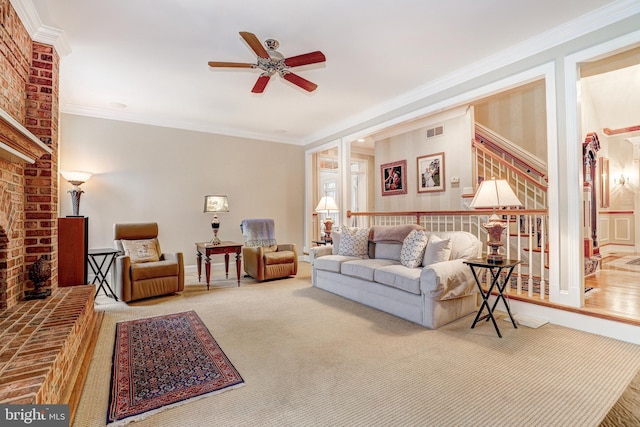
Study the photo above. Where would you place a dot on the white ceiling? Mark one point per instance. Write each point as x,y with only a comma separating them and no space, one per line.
151,55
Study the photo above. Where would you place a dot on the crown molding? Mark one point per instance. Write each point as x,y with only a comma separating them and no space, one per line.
37,30
590,22
152,120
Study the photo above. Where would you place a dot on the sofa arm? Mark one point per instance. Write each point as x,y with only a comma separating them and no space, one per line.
447,280
122,286
318,251
179,258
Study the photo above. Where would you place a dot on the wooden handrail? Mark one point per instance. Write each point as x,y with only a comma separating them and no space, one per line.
516,152
473,212
503,162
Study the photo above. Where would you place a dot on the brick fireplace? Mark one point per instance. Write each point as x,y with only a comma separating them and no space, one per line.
45,345
28,156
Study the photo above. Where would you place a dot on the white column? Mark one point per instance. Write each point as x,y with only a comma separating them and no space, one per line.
635,184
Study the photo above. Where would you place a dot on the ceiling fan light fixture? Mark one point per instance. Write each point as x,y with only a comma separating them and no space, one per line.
270,61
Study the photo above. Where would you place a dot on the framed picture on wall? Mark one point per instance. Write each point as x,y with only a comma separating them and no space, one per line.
394,178
431,173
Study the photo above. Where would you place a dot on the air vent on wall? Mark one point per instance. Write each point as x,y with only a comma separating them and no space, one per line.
436,131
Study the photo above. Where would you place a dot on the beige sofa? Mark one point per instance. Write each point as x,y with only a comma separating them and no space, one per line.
430,295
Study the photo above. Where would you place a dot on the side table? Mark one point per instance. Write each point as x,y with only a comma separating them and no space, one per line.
101,270
226,248
496,269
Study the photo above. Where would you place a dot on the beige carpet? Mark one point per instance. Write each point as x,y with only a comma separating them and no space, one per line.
312,358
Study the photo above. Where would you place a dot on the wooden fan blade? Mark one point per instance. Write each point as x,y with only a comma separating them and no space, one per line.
254,44
299,81
307,58
260,84
230,64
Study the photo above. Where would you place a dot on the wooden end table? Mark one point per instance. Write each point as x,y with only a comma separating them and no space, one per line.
207,249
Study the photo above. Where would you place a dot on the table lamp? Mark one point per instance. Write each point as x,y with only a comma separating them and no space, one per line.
216,204
75,178
495,193
327,205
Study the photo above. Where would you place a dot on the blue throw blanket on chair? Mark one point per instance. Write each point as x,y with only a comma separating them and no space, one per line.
258,232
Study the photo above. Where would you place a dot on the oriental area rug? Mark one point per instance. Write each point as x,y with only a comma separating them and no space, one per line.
164,361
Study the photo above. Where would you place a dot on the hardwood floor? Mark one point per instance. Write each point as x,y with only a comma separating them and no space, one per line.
616,290
615,294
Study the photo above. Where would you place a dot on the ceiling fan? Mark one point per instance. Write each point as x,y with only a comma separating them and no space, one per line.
270,61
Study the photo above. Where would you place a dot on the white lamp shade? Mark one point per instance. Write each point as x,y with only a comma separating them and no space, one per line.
495,193
327,204
76,176
216,204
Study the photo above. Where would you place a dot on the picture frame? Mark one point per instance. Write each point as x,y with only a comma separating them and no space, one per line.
394,178
430,172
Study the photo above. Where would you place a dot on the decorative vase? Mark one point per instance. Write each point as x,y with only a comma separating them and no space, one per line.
39,273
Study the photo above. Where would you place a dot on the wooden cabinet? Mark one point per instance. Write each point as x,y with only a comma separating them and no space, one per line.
73,242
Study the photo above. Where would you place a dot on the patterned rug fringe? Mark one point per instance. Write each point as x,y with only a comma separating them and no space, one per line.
145,415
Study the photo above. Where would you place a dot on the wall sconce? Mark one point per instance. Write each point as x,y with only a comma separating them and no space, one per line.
76,178
622,180
216,204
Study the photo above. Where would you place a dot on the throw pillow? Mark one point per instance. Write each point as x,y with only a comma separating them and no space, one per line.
413,248
141,250
438,250
354,242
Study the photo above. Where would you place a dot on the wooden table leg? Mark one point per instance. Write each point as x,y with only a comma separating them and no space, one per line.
238,257
226,264
207,268
199,265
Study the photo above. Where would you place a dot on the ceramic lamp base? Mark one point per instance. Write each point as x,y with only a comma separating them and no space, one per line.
494,230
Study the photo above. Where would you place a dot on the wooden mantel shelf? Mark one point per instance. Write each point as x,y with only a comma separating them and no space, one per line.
17,144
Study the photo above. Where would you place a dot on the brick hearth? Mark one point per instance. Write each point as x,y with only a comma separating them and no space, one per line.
45,347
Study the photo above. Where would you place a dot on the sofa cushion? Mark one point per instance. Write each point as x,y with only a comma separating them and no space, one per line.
364,268
354,242
387,251
335,242
152,270
413,248
399,277
464,245
332,262
438,250
392,233
145,250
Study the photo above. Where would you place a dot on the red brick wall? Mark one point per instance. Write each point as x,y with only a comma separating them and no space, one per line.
29,93
41,178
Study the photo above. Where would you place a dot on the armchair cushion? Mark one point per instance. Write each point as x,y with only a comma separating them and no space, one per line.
278,257
146,250
150,270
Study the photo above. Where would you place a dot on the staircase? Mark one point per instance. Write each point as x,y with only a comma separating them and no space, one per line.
497,157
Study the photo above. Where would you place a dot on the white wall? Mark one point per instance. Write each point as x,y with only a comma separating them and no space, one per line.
456,145
150,173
